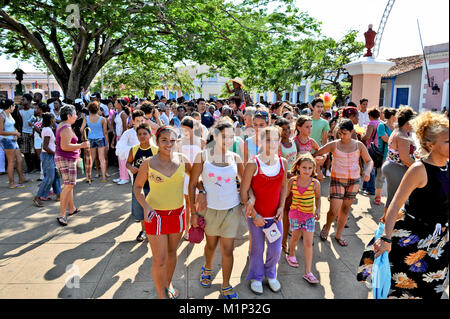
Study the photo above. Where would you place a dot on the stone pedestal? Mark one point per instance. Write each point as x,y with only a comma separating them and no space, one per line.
366,73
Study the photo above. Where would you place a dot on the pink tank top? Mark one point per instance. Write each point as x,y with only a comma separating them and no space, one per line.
304,148
345,165
59,151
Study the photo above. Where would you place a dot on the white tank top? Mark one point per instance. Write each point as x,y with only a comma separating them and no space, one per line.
220,185
268,170
118,121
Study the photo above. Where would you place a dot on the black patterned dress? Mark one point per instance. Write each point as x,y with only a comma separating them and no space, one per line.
420,248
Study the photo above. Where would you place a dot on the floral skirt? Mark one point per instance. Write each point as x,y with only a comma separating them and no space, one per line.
418,258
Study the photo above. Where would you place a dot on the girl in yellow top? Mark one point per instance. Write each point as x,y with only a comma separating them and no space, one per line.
163,207
302,216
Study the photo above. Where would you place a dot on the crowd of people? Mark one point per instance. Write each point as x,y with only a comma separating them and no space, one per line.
210,163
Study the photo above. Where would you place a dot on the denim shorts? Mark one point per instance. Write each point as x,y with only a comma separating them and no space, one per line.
8,144
136,209
97,142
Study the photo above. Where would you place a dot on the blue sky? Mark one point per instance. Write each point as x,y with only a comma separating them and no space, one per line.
400,38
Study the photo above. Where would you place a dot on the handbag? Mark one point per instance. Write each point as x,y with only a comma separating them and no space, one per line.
376,155
272,233
196,234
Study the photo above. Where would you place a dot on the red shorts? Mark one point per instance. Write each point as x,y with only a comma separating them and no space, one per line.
166,222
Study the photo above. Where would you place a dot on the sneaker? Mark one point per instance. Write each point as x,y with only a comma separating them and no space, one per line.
123,181
256,286
141,237
116,180
274,284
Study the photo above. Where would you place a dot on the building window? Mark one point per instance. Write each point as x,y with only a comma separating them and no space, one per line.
382,91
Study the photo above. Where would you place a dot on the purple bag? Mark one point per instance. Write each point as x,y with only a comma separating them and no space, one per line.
196,234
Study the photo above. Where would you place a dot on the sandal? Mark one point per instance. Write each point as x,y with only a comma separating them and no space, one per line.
25,181
37,203
16,186
285,249
323,234
62,220
172,293
311,278
229,293
205,280
74,212
292,261
341,242
45,199
377,200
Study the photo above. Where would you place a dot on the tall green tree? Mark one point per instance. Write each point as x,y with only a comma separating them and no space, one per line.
75,41
326,67
139,77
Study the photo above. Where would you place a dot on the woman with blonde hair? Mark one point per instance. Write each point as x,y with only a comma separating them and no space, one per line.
417,239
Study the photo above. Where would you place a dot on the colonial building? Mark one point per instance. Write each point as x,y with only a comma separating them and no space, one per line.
31,81
407,83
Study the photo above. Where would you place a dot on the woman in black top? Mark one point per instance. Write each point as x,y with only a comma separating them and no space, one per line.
417,234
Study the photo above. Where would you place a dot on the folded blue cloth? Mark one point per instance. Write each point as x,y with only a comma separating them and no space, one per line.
381,271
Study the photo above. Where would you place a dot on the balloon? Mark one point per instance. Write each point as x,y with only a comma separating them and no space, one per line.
328,100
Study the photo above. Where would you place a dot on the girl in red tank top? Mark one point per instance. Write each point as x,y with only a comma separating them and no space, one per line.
266,175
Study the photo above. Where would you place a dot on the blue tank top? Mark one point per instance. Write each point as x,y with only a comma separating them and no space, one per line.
96,128
8,126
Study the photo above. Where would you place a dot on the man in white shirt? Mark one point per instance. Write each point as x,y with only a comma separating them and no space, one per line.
363,115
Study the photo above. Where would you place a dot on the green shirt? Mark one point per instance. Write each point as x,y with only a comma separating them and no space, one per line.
318,127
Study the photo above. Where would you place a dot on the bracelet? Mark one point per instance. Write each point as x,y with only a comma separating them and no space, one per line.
202,191
257,215
385,239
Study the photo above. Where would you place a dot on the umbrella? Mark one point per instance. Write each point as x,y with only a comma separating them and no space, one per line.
381,271
87,156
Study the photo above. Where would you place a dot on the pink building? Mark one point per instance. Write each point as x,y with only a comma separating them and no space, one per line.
435,95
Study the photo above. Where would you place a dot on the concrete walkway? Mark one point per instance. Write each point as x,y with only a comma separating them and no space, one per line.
97,256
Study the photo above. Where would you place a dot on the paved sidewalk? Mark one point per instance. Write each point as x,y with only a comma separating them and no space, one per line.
36,253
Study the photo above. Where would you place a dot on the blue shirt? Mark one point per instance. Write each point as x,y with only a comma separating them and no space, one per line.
382,130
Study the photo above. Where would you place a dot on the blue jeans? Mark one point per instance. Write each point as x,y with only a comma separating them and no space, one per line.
51,178
370,185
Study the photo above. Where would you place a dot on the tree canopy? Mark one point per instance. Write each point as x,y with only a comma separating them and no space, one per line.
75,41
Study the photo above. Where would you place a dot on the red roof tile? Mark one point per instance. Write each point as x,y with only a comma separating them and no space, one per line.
403,65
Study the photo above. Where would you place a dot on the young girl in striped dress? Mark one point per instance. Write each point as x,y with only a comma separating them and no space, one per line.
304,211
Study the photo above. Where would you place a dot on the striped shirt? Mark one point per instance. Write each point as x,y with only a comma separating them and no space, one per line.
303,198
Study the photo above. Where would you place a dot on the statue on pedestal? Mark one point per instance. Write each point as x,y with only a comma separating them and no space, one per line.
19,77
369,35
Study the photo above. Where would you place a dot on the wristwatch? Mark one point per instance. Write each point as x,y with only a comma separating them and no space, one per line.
386,239
202,192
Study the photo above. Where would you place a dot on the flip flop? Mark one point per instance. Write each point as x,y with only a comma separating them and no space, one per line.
37,203
62,220
310,278
172,293
74,212
292,261
25,181
341,242
323,234
16,186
